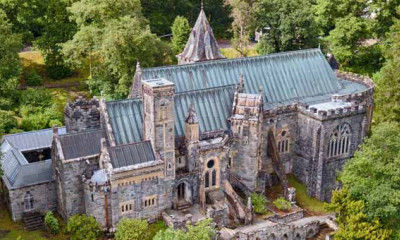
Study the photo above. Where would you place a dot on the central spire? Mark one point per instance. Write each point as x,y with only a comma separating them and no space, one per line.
202,45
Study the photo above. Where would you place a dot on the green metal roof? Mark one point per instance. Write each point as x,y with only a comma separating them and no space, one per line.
283,76
213,107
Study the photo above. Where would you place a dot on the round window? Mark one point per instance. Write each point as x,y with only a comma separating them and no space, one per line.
283,133
210,164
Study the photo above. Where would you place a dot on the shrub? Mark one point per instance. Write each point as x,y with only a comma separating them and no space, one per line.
7,121
282,204
38,97
57,72
51,223
32,78
258,201
132,229
82,227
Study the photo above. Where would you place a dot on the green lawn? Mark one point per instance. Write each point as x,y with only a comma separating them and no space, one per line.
10,230
312,205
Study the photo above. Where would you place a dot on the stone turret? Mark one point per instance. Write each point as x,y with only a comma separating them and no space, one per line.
192,125
202,45
82,115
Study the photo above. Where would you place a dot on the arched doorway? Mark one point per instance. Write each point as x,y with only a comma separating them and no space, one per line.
183,195
181,191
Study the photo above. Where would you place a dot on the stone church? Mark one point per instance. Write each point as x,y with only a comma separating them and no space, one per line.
192,134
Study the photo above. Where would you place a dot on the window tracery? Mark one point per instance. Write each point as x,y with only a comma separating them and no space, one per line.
339,141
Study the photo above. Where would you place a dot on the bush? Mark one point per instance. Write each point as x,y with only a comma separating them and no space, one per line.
7,121
258,201
32,78
38,97
82,227
282,204
57,72
51,223
132,229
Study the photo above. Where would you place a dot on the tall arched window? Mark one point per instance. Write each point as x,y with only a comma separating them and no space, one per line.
28,201
283,141
211,174
206,179
214,178
339,141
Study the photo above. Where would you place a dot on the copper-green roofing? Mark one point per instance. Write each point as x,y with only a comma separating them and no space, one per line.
213,107
283,76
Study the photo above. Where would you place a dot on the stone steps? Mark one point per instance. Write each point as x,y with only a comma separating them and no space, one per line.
324,231
183,206
33,221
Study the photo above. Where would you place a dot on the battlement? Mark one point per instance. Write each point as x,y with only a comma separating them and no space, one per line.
353,77
321,113
281,110
82,115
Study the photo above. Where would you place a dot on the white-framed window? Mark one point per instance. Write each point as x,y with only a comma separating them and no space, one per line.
339,141
149,201
126,207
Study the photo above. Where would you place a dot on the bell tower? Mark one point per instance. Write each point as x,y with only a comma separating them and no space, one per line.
159,120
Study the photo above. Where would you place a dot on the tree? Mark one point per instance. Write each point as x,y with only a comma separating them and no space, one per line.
10,65
203,230
180,34
82,227
353,222
242,25
132,229
287,25
57,29
113,36
388,79
372,176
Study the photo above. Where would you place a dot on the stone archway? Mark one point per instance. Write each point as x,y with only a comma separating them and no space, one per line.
183,194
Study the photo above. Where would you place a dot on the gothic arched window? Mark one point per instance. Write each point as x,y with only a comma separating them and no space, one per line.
283,141
206,179
214,178
28,201
339,141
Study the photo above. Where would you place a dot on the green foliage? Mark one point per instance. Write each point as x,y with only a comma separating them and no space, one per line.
290,25
388,79
161,14
243,24
258,201
132,229
10,65
180,34
36,97
282,204
82,227
51,223
353,222
113,36
32,78
7,122
203,230
372,176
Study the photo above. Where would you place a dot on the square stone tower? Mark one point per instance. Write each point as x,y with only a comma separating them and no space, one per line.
159,120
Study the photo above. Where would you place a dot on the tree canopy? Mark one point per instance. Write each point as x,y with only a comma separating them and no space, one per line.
132,229
82,227
286,25
180,34
203,230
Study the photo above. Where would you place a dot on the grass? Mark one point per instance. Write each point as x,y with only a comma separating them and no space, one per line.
155,228
232,53
10,230
312,205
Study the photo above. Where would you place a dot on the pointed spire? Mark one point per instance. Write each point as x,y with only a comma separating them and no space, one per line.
136,89
202,5
202,45
192,116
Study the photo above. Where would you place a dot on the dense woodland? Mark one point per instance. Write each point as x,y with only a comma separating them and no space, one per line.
100,41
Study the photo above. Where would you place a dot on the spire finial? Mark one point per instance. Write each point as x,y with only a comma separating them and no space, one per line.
202,5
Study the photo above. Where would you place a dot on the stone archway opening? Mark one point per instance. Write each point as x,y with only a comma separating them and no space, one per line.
183,195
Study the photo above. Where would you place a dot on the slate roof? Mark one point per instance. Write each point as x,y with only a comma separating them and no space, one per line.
81,144
131,154
17,171
283,76
213,108
201,45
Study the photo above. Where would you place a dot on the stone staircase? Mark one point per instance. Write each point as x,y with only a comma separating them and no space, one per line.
33,221
182,205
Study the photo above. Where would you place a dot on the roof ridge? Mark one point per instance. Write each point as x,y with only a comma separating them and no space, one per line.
209,89
29,132
214,62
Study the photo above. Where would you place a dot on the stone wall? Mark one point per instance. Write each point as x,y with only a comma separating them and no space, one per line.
44,199
281,232
82,115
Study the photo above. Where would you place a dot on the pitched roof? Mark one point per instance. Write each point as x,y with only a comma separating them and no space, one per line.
81,144
131,154
18,172
283,76
201,45
213,108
